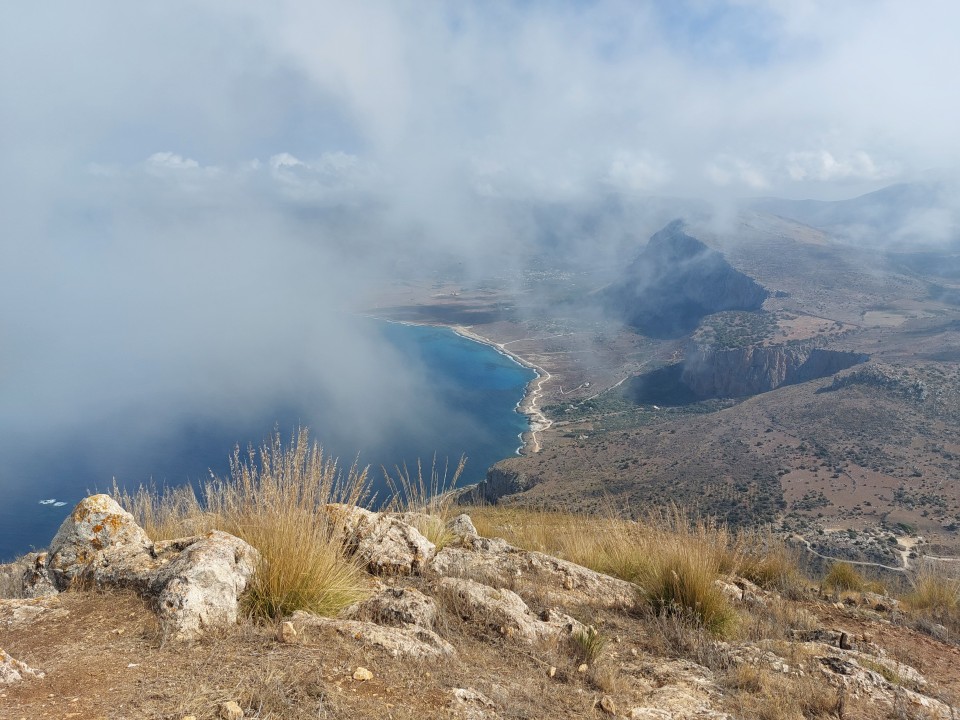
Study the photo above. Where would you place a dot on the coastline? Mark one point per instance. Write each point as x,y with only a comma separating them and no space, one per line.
529,405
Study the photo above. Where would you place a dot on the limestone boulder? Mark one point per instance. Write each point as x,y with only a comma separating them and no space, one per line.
564,583
200,586
27,577
504,611
99,539
396,607
409,642
462,526
193,583
384,543
470,704
13,671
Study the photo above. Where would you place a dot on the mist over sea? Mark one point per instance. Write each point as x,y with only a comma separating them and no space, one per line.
466,403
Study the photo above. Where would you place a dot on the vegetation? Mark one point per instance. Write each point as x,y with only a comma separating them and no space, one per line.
842,577
273,499
674,560
428,501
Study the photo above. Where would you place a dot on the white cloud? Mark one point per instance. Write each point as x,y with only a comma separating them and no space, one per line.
726,170
637,172
823,166
163,161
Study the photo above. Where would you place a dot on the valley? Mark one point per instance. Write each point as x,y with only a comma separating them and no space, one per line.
832,411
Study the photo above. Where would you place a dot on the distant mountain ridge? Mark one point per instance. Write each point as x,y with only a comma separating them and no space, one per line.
675,281
906,214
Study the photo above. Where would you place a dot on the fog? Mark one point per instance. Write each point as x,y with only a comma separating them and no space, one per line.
199,197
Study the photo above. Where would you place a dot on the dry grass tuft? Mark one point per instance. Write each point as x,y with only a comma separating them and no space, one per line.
273,499
675,560
766,695
587,645
770,563
430,501
934,598
166,513
842,577
933,590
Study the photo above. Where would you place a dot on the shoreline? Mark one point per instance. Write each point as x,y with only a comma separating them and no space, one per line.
529,405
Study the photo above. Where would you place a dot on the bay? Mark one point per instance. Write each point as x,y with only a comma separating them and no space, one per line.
474,392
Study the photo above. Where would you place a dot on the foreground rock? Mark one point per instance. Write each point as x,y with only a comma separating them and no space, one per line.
200,586
385,544
505,611
193,583
411,641
565,583
12,670
396,607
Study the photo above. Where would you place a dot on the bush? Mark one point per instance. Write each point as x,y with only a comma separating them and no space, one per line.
842,576
273,499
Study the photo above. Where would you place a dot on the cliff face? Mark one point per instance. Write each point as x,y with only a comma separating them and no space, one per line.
739,372
675,281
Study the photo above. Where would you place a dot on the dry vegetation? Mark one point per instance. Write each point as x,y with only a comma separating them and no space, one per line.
675,560
273,498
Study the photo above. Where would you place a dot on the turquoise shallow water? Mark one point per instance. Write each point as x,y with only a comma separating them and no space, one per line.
466,405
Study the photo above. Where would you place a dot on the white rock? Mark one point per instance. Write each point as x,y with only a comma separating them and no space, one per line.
201,586
384,543
396,607
463,527
410,641
504,611
12,671
470,704
564,583
231,711
286,633
97,536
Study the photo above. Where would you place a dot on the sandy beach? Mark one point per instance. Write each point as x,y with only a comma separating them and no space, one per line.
530,405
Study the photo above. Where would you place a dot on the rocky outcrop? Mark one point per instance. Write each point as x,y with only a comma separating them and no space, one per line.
504,611
12,670
99,541
396,607
193,583
675,281
410,641
740,372
882,377
561,582
501,480
384,543
200,586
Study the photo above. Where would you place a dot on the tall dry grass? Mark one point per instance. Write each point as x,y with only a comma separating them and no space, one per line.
273,499
844,577
934,597
674,560
428,500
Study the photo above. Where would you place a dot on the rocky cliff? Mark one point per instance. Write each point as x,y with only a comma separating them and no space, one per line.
738,372
675,281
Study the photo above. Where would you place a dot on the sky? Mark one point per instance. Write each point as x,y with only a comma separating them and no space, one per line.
197,196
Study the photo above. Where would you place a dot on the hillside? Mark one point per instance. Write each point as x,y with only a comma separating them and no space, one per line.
674,282
472,628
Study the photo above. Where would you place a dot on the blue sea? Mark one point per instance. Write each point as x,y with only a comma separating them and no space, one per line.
466,405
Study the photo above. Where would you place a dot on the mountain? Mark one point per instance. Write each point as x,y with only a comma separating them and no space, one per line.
675,281
919,214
